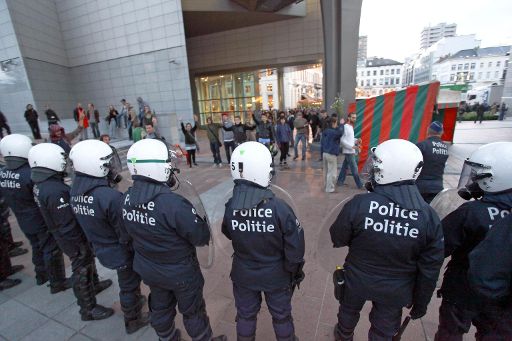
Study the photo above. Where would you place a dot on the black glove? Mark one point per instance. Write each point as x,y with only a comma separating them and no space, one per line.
417,311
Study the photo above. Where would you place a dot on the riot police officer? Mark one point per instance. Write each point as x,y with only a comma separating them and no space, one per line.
48,162
486,178
97,206
395,244
16,187
435,154
268,241
490,272
165,228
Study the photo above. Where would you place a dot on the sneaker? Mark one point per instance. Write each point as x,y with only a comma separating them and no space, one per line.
214,165
219,165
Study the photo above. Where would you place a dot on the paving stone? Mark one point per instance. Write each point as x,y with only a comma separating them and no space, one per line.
79,337
50,331
70,317
40,299
17,320
27,282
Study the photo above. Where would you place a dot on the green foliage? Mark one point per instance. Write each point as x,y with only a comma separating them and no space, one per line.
338,105
471,116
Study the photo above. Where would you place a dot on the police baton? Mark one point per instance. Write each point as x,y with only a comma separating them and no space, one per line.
398,335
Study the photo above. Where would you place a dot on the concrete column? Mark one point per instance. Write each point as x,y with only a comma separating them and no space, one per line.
340,21
507,88
280,87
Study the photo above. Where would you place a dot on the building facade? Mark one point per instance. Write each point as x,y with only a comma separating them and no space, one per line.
432,34
482,66
362,50
378,76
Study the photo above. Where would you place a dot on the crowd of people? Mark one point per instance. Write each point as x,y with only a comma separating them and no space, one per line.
481,108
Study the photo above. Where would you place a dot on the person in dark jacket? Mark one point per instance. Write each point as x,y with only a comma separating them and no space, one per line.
264,130
4,125
283,137
32,118
97,207
330,146
190,141
51,116
239,130
480,110
268,241
59,136
486,175
435,155
165,229
212,131
16,187
395,244
48,163
93,115
490,275
301,134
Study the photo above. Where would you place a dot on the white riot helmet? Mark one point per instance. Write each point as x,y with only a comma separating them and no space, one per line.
15,148
393,161
46,159
252,161
151,158
97,159
489,167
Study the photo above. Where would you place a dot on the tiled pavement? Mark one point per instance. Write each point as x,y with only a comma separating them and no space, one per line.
29,312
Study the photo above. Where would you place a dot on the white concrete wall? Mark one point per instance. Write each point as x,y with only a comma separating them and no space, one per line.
290,41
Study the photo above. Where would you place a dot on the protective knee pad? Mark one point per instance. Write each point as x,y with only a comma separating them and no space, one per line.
56,268
162,319
283,328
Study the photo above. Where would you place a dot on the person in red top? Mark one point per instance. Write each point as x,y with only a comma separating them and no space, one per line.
80,114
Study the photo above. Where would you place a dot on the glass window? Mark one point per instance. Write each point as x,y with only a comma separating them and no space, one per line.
490,64
387,72
368,72
452,77
382,72
459,67
381,81
374,82
375,72
386,81
506,63
269,87
368,81
392,71
397,81
466,66
362,83
454,67
473,65
479,75
471,76
498,63
481,65
397,71
392,81
488,75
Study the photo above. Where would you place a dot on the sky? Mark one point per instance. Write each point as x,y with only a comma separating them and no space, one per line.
394,27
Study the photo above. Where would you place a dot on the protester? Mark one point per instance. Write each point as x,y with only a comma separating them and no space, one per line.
350,146
80,115
190,141
330,146
264,130
149,117
283,136
123,115
228,137
33,121
480,110
105,138
138,132
150,132
239,130
301,132
132,119
51,116
4,125
314,123
112,121
60,138
141,104
212,131
93,116
503,111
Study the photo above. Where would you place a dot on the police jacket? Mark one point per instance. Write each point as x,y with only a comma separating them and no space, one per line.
238,130
395,245
16,188
264,130
463,230
435,154
52,196
97,208
268,241
165,230
490,263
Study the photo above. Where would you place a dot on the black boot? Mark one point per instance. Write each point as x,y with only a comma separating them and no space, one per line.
134,318
57,274
16,268
41,278
9,283
84,291
17,251
99,286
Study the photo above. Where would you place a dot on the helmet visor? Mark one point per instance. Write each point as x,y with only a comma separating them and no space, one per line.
472,172
370,166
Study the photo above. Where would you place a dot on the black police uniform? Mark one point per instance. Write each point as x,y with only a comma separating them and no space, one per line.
490,275
52,196
97,208
430,180
16,188
268,241
464,229
395,253
165,229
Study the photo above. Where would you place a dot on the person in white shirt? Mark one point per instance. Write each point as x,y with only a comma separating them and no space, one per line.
350,146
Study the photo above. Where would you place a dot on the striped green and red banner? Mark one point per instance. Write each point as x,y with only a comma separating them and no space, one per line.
404,114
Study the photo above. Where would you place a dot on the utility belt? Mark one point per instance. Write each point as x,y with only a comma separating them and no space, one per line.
338,278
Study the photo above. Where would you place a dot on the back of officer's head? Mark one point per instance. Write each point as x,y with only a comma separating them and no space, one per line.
46,160
395,161
252,161
149,158
491,166
15,149
435,129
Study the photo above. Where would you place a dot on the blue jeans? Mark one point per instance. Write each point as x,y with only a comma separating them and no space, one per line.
248,304
112,129
215,148
349,161
300,137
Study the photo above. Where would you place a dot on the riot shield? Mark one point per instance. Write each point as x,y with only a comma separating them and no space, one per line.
446,201
224,244
327,256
